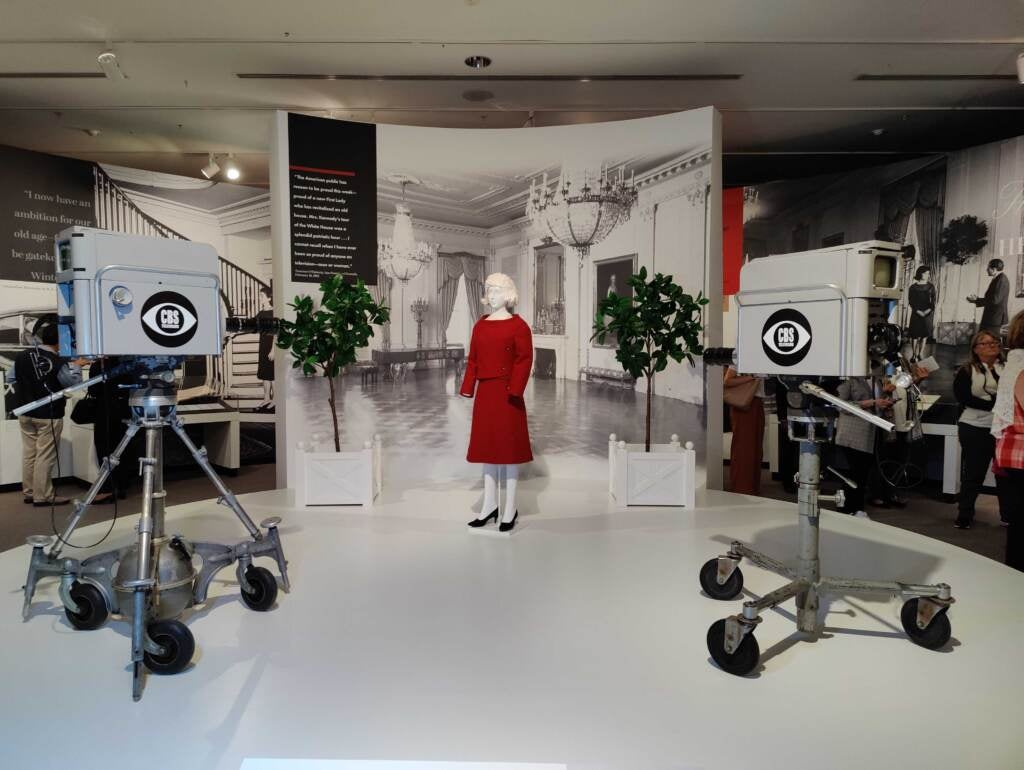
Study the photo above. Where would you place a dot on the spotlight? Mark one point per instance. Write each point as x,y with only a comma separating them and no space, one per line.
210,169
478,62
231,170
108,63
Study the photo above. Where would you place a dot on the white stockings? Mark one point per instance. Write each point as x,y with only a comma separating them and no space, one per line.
510,474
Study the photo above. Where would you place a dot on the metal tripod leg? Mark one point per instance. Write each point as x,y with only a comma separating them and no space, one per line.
808,569
144,581
226,494
51,563
81,507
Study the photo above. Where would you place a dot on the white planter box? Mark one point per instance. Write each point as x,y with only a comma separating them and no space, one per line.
338,478
664,476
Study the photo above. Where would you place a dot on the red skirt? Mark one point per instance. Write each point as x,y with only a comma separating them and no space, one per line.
499,434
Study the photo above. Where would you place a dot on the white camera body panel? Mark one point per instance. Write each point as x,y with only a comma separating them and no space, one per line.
123,294
808,313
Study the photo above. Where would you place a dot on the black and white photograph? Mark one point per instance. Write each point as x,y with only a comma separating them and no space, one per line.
611,276
958,218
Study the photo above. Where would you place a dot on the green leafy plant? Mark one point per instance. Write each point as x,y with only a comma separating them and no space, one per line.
325,340
659,322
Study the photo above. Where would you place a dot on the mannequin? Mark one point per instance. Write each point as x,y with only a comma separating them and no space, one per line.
497,369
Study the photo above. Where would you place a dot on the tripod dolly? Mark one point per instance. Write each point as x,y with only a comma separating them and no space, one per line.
151,582
731,641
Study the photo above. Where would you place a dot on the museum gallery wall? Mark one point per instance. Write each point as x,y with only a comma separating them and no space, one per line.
467,191
980,190
41,194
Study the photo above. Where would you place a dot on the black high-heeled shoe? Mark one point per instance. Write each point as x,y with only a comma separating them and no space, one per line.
506,526
481,522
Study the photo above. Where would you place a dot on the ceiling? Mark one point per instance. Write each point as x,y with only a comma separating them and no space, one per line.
796,106
482,178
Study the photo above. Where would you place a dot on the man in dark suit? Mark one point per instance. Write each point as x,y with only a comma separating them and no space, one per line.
995,314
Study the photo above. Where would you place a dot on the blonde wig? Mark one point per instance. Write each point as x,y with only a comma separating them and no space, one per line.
505,283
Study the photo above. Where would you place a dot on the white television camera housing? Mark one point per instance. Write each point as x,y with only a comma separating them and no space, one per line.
817,313
134,295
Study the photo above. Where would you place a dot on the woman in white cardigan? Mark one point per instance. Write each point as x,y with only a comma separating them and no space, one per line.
975,386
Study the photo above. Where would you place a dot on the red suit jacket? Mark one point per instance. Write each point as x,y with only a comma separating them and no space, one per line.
499,350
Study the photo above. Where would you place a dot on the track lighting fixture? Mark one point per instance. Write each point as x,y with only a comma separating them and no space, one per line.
108,63
211,168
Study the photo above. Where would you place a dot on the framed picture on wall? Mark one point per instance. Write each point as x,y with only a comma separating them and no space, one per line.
612,276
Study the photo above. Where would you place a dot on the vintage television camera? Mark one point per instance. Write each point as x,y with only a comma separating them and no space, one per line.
152,302
815,315
135,295
820,313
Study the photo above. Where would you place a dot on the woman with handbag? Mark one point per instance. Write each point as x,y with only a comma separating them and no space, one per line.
745,396
1008,429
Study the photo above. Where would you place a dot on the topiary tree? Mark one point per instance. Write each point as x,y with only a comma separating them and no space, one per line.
961,239
659,322
325,340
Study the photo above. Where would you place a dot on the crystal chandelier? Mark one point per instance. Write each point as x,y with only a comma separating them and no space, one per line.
401,254
583,208
750,208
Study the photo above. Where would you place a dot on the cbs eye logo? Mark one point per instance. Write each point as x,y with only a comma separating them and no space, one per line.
169,319
786,337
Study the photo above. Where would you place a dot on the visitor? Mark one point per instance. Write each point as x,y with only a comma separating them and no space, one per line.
1008,430
111,413
37,372
857,439
745,396
975,386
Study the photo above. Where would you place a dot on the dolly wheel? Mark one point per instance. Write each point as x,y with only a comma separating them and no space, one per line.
934,636
178,643
265,593
741,662
92,607
709,582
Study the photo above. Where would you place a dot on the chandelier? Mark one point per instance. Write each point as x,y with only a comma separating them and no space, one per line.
583,208
401,254
750,208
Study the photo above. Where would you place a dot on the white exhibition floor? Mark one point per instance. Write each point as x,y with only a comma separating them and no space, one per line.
578,642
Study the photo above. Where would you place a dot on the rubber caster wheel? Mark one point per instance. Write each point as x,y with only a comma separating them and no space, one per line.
265,593
92,607
741,662
177,641
709,582
934,636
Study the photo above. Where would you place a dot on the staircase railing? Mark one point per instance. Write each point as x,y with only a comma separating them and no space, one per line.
240,289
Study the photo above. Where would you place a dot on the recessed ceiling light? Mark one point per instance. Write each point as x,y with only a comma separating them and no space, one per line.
211,168
478,62
477,95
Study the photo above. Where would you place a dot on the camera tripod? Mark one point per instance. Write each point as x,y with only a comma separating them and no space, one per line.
731,641
154,580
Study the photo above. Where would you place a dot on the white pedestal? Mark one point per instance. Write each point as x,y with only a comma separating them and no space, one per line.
664,476
339,478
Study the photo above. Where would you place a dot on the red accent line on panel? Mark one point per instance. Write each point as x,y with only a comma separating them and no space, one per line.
335,172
